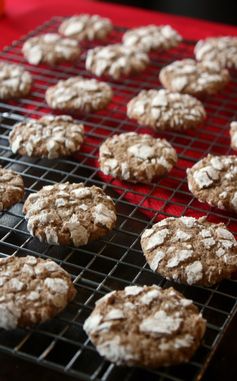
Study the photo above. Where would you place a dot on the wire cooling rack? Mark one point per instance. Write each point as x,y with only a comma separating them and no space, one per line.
117,260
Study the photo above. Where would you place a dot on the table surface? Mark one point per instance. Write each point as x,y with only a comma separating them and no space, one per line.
20,17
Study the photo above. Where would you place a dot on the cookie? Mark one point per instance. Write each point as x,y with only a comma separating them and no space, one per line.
233,135
195,78
116,61
213,179
145,326
50,136
135,157
15,81
11,188
51,49
69,214
79,94
152,37
33,290
162,109
190,250
218,49
86,27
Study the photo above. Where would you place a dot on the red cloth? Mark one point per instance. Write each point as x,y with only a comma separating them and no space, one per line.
22,16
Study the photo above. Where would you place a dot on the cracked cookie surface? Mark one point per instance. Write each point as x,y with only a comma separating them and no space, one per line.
116,61
50,136
79,94
152,37
190,250
213,179
11,188
195,78
136,157
163,109
86,27
15,81
33,290
69,214
145,326
219,49
51,49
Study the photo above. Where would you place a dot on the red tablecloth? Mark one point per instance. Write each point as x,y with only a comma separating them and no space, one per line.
24,15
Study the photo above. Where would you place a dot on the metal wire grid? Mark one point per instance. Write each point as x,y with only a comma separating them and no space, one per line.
117,260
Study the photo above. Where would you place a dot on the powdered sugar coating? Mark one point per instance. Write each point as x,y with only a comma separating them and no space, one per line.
86,27
132,290
162,109
152,37
213,180
66,222
152,327
50,48
11,188
15,81
195,78
116,61
50,136
33,290
218,49
194,272
192,251
79,94
135,157
156,240
161,324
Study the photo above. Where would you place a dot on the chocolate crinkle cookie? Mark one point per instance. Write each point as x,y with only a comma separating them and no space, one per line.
145,326
195,78
213,179
79,94
152,37
190,250
233,135
51,49
50,136
218,49
69,214
136,157
116,61
86,27
163,109
11,188
15,81
33,290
